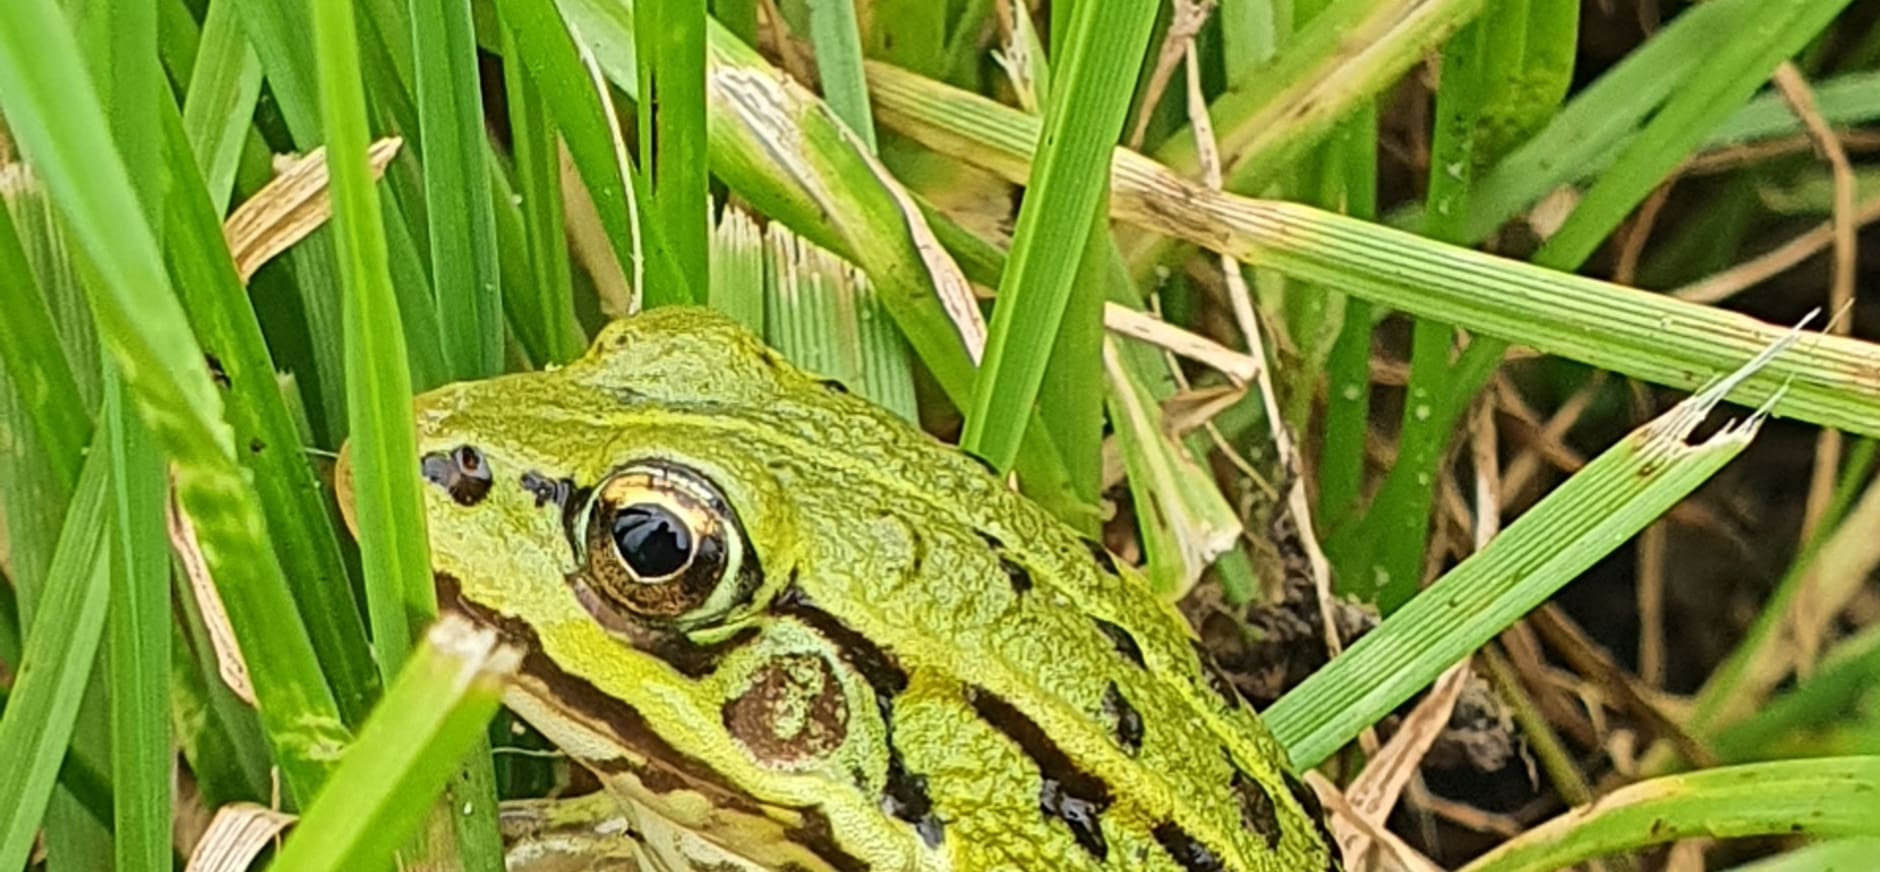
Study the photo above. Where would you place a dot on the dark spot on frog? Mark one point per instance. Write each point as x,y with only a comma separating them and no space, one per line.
689,658
1186,850
815,833
792,711
547,490
1121,639
834,386
216,372
256,446
905,795
1102,555
1125,721
460,471
1016,575
1065,791
1258,815
1217,680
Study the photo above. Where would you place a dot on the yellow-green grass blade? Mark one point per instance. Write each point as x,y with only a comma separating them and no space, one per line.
139,654
220,100
1631,332
433,713
60,646
1093,84
457,199
1594,512
61,129
541,310
1832,797
671,110
270,442
1839,687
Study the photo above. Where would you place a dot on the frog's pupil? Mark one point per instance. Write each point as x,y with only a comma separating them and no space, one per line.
652,540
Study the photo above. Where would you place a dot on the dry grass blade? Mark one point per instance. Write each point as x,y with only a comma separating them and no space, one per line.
1347,819
291,206
1124,321
228,655
237,835
1392,768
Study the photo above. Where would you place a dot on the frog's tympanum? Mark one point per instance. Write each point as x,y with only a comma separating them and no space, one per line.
789,631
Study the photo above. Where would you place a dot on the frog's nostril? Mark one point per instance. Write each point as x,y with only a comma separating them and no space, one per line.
461,472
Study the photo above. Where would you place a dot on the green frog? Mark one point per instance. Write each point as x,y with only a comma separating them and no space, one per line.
786,630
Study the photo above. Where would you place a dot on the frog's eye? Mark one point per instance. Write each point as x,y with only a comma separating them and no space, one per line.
660,543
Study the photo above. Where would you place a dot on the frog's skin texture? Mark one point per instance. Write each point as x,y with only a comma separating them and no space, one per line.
880,658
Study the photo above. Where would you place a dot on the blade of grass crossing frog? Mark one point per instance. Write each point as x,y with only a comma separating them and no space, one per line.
60,646
738,258
1095,76
1594,512
457,194
1830,797
224,322
432,714
145,330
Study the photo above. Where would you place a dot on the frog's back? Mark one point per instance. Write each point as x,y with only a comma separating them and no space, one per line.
1020,647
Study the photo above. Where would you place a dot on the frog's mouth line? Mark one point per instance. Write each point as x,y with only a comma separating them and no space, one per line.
661,769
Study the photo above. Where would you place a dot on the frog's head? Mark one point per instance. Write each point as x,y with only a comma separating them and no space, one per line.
620,520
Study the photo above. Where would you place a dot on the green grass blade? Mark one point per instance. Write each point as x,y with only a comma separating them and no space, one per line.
1730,73
1610,112
1846,854
541,311
392,543
1344,57
29,346
220,101
139,653
549,52
432,714
1093,87
825,317
60,646
62,131
1583,520
671,108
1827,797
292,498
457,205
838,44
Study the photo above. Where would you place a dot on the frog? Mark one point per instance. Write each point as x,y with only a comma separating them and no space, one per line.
785,629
